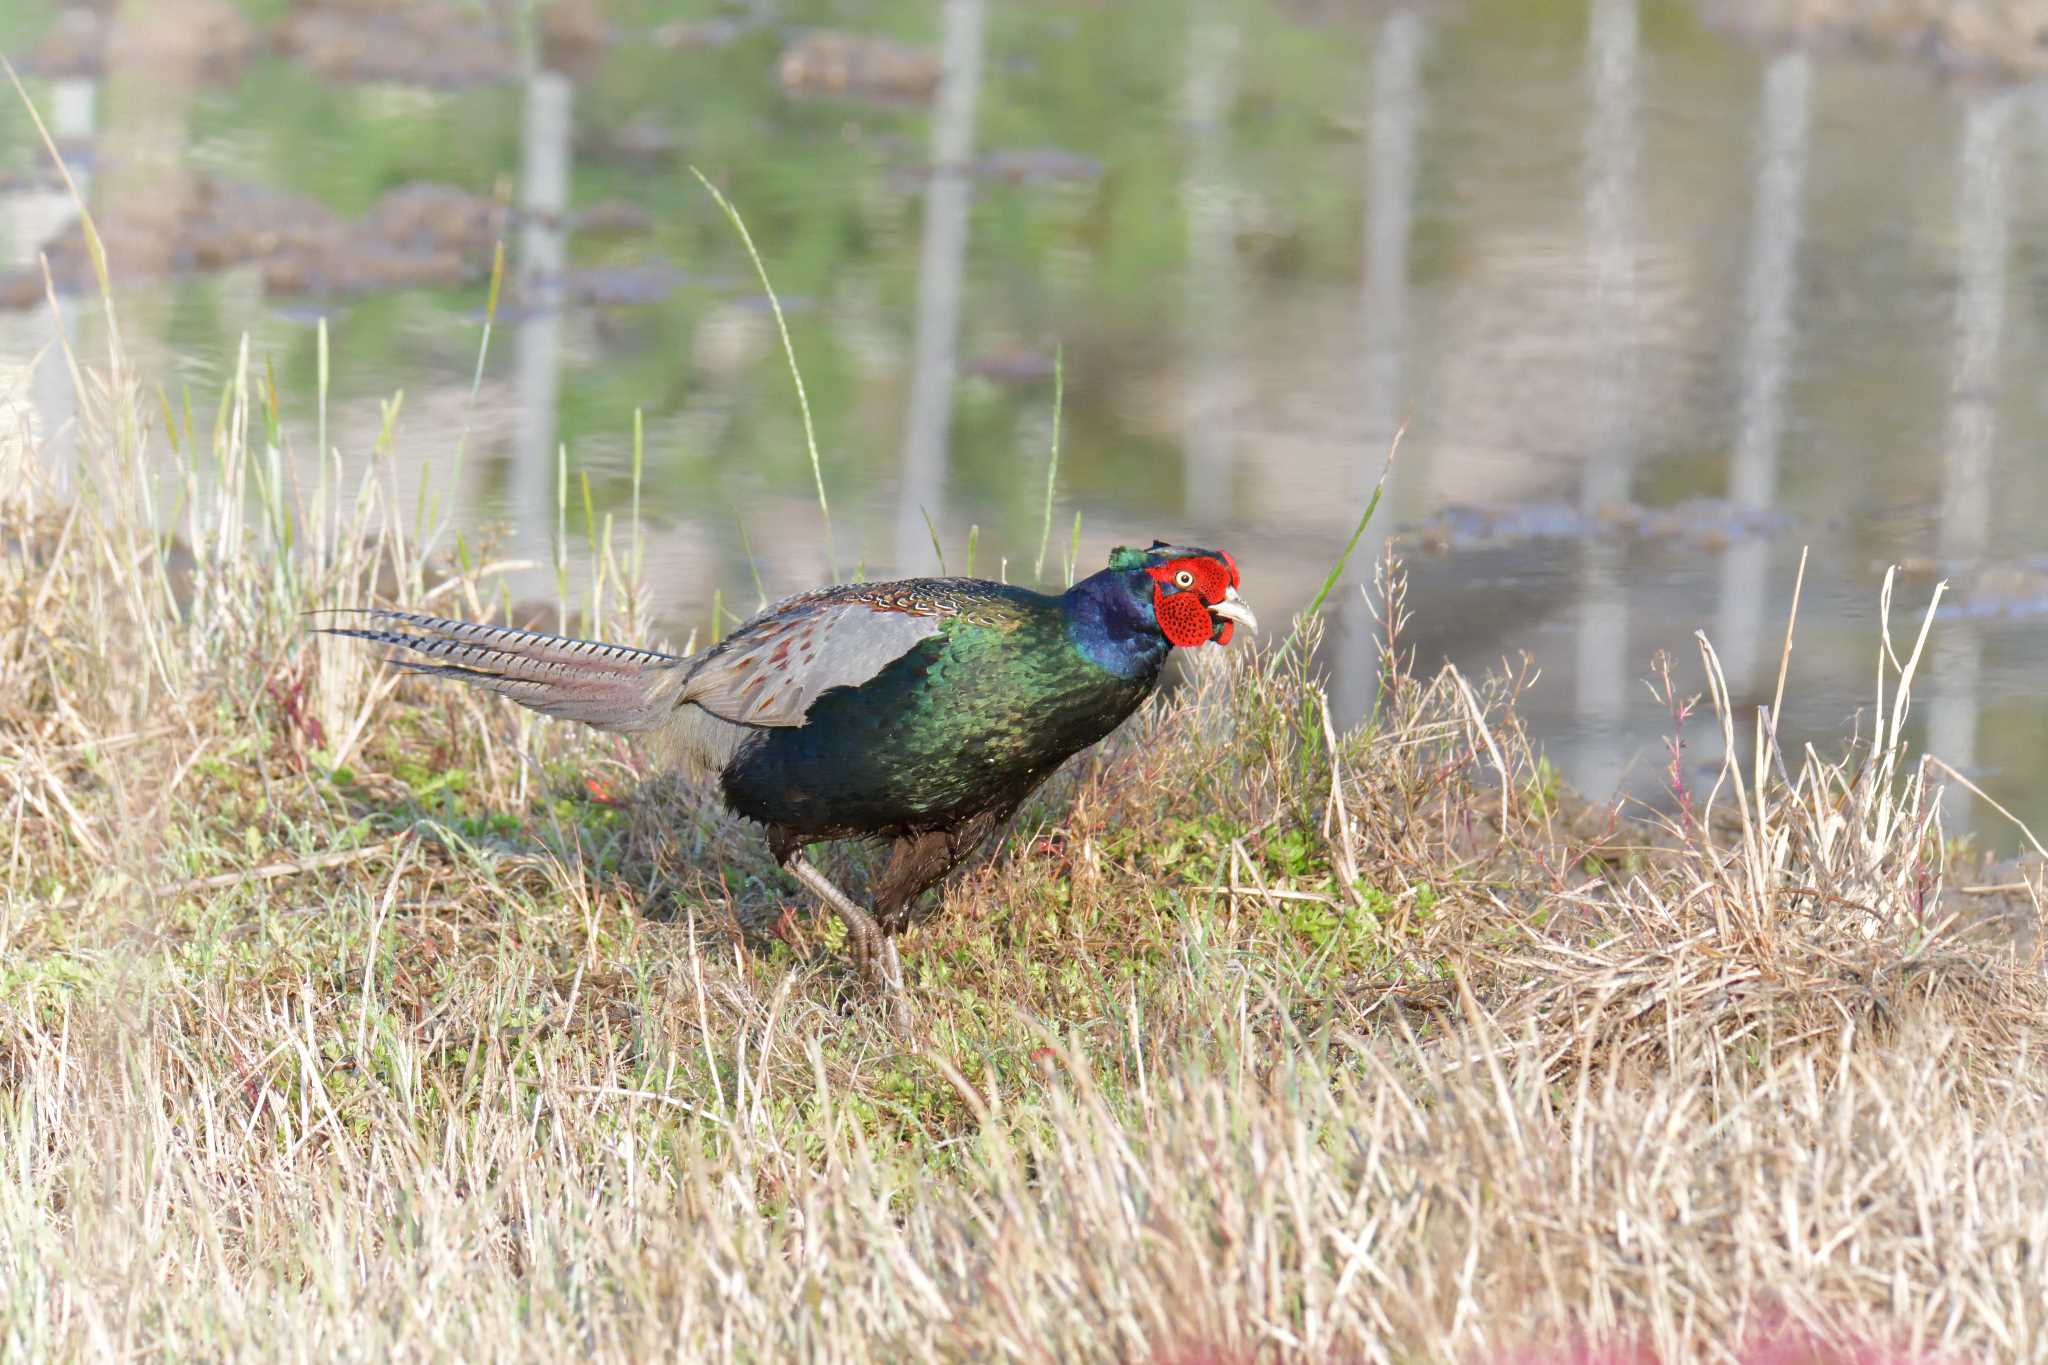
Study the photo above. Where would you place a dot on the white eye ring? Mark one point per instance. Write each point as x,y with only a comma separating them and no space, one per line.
1184,579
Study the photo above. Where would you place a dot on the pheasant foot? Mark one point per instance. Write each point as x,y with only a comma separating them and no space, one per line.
863,938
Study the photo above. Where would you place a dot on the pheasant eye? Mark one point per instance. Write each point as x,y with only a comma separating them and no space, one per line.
1184,579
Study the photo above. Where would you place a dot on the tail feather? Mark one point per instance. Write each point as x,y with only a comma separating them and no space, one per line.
611,687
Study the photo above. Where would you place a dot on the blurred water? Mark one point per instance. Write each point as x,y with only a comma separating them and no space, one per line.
1594,257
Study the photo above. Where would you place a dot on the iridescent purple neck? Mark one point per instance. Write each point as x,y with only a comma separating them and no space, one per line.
1111,621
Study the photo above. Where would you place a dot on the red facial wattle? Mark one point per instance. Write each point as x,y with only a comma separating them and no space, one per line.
1183,610
1182,618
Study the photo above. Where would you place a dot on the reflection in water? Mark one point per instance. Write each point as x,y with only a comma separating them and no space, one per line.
1209,385
37,216
942,260
1769,284
1538,279
1613,56
543,201
1209,382
1972,428
1393,132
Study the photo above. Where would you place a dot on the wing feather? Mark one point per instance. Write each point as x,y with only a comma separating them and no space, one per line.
769,671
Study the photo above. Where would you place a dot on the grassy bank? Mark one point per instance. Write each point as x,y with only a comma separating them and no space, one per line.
346,1016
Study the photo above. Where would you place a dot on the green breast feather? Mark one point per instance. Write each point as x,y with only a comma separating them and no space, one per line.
971,719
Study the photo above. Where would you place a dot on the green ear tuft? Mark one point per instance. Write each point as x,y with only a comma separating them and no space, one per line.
1123,559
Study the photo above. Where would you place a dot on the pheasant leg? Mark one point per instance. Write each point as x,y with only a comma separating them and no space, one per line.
862,937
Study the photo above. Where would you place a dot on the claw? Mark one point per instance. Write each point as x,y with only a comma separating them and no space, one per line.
860,941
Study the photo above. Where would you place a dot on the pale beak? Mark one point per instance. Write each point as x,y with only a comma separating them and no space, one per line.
1235,608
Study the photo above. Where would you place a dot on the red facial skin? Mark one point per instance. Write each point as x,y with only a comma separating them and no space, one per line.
1183,609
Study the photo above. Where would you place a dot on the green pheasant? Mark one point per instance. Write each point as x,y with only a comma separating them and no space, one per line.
921,712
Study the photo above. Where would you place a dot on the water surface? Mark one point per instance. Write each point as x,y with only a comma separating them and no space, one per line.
1656,308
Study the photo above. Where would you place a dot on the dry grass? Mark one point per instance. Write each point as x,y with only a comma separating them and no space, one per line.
340,1017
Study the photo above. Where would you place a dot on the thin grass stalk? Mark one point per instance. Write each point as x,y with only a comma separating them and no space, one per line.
1052,463
594,626
127,433
476,384
326,514
561,545
789,353
636,579
938,550
753,569
1372,504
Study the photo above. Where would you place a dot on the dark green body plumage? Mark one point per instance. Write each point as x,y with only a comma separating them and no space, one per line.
971,719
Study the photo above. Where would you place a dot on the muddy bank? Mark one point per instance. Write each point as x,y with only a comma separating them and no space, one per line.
210,38
634,285
1701,523
429,235
854,66
1996,590
441,46
416,236
412,44
1995,37
424,43
1017,167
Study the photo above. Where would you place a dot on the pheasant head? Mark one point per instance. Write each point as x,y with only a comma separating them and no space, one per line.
1194,592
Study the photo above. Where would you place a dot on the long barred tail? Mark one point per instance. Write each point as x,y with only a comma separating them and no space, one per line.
608,686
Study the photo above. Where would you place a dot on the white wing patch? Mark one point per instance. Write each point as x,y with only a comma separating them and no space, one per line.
770,671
